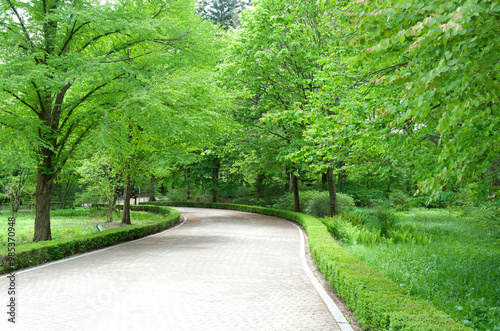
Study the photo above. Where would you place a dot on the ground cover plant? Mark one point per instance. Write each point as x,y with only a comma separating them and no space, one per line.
68,223
445,256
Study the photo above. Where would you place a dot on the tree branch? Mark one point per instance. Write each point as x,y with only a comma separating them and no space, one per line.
97,38
70,36
274,133
85,97
26,34
23,102
131,58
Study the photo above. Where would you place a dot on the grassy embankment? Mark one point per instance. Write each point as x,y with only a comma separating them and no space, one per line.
448,257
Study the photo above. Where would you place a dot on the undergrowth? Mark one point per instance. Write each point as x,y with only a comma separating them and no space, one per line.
447,257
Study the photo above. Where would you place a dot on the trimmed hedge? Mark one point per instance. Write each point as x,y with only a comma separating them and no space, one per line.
377,302
38,253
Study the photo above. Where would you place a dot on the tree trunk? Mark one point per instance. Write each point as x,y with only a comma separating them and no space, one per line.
152,189
324,178
186,185
42,200
259,181
127,192
69,186
341,177
58,188
288,180
111,207
215,179
295,189
332,192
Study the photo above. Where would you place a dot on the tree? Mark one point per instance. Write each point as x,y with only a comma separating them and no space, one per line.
221,12
101,180
65,185
65,64
444,55
16,166
275,56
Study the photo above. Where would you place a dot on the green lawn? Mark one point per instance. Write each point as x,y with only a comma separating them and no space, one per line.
459,271
65,223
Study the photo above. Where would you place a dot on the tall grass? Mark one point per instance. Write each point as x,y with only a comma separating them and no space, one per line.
458,269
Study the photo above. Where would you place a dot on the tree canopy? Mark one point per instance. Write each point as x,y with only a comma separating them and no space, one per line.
66,64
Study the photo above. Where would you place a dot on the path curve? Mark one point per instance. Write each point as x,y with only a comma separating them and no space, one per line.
220,270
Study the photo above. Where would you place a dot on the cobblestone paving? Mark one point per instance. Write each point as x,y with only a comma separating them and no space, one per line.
221,270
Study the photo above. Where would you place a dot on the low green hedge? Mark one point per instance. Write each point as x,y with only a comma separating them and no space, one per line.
377,302
38,253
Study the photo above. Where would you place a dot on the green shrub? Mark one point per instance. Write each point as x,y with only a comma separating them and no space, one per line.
386,220
4,199
319,204
363,196
69,212
397,198
362,216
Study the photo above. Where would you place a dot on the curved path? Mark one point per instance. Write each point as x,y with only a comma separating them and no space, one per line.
220,270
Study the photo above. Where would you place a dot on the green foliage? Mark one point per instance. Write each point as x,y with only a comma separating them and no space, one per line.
386,220
397,198
4,199
456,270
69,212
363,196
374,227
314,202
119,73
318,204
444,54
378,303
101,179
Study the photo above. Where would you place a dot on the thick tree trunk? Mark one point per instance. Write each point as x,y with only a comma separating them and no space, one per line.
42,200
295,189
215,179
186,185
332,192
152,189
127,192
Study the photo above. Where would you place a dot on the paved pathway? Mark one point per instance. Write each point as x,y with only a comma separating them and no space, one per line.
221,270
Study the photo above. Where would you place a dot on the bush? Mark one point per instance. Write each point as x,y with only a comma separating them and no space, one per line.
4,199
69,212
319,204
397,198
315,203
363,196
386,220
